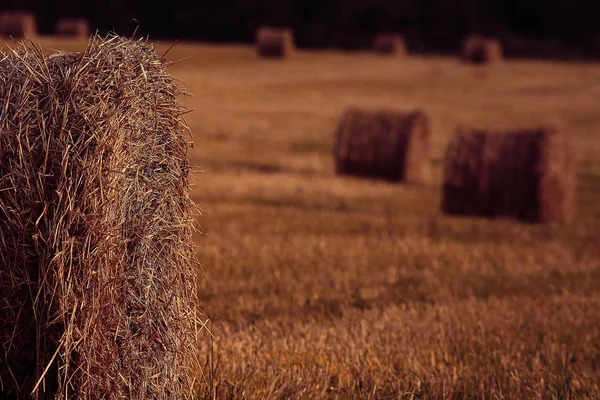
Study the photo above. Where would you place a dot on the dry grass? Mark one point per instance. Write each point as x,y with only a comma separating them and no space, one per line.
327,287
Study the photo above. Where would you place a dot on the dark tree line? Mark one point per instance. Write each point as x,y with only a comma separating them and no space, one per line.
436,25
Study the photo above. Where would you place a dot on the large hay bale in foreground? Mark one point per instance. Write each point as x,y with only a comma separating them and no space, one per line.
526,174
480,50
383,144
72,27
18,24
274,42
389,44
97,285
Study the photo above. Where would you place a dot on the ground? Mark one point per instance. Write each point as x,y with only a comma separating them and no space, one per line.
318,286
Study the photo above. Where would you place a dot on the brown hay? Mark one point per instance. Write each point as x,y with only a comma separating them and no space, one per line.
480,50
97,286
528,175
274,42
389,44
72,27
18,24
384,144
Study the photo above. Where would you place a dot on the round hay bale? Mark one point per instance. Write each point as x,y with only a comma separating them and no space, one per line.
97,285
72,27
527,174
481,51
389,44
18,24
274,42
383,144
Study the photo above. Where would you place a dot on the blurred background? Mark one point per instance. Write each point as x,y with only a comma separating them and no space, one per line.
552,28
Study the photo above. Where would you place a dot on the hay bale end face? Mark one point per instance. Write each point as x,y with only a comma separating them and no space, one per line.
18,24
72,27
383,144
97,285
275,42
527,175
481,51
389,44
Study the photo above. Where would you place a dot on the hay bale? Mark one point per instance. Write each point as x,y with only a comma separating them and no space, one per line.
97,285
18,24
274,42
528,175
72,27
383,144
480,50
389,44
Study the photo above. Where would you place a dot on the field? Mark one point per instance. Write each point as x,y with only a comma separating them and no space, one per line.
318,286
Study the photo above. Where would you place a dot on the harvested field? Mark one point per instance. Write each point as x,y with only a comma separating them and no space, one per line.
72,27
480,50
319,286
17,25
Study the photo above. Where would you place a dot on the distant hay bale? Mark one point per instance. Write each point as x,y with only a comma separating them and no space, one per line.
274,42
528,175
389,44
383,144
18,24
480,50
97,285
72,27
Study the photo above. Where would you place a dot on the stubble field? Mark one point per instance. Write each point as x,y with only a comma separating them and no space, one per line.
318,286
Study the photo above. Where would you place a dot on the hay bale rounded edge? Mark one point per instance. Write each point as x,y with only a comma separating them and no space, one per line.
385,144
480,50
527,175
18,24
72,27
97,287
389,44
274,42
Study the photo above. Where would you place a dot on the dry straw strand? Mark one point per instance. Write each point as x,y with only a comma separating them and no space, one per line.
386,144
527,174
97,286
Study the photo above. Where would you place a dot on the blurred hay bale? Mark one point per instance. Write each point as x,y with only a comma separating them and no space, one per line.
383,144
389,44
527,174
480,50
97,285
274,42
18,24
72,27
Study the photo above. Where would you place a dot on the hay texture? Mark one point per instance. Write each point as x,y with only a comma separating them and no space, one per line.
481,51
274,42
528,175
383,144
72,27
97,292
18,24
389,44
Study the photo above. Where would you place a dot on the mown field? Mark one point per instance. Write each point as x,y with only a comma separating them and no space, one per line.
318,286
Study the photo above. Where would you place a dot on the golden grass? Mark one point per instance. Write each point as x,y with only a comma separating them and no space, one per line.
327,287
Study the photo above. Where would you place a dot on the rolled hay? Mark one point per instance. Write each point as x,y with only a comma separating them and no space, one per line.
97,285
527,175
389,44
274,42
385,144
72,27
18,24
480,50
